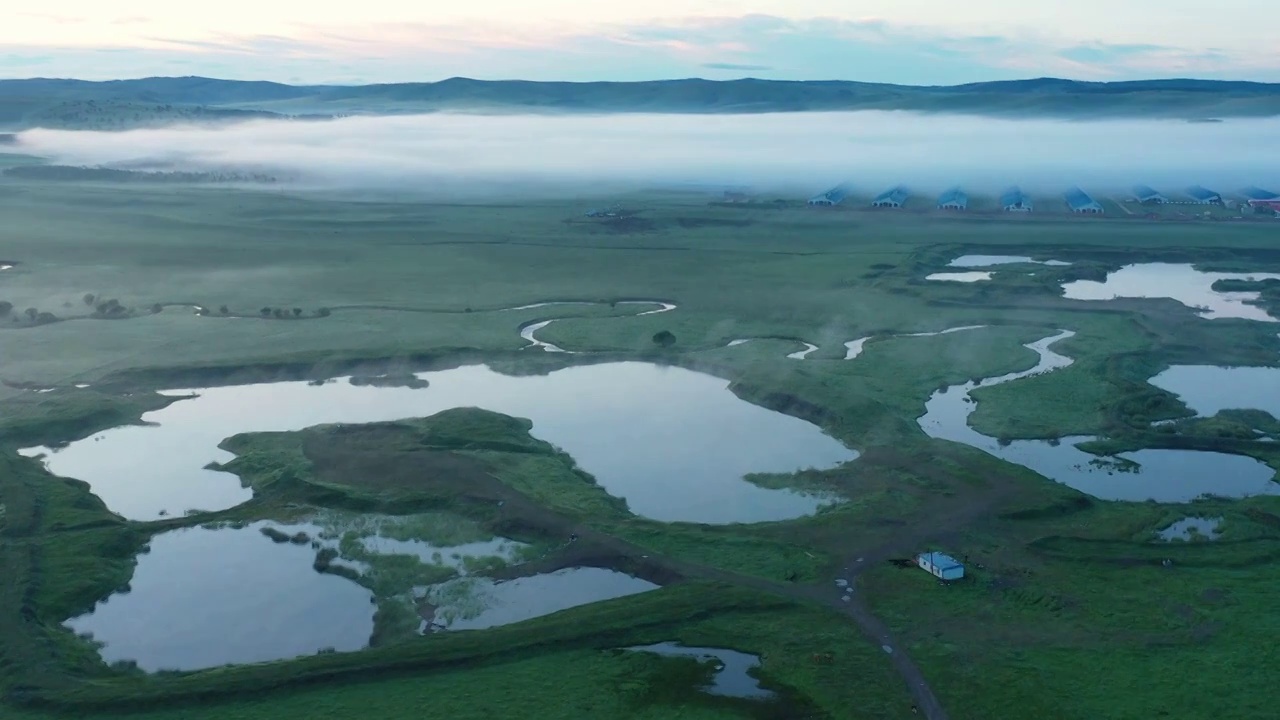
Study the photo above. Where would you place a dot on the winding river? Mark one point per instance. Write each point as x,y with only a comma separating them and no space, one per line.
1164,475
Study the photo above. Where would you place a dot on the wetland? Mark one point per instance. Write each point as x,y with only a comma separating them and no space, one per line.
412,505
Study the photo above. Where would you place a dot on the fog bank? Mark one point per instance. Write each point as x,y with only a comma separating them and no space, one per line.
806,153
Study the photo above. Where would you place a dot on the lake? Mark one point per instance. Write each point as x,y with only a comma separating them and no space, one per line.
1208,389
204,597
1184,283
1163,475
675,444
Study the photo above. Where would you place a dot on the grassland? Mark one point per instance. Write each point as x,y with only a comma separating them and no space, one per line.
1072,613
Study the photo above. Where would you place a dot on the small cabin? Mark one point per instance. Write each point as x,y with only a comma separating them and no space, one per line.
940,565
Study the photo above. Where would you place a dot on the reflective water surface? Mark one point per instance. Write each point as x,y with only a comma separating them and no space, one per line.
982,261
1208,389
964,277
1187,528
1164,475
674,443
732,678
204,597
1183,283
476,603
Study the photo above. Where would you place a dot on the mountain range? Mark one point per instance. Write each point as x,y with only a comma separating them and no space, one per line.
121,104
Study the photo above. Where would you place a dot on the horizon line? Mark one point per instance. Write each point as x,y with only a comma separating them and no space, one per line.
462,78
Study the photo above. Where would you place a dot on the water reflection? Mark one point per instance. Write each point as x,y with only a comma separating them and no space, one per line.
1164,475
732,678
982,261
476,603
1208,389
204,597
674,443
1188,528
1183,283
964,277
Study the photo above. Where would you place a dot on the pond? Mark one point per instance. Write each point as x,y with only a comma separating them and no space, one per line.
1208,389
964,277
675,444
1192,527
204,597
982,261
1183,283
732,678
1163,475
477,603
854,348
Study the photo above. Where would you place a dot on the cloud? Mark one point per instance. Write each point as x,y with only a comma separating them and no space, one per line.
869,49
14,60
735,66
468,156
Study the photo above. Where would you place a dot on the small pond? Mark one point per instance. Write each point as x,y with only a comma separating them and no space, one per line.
732,678
675,444
1183,283
1208,390
854,348
982,261
1189,528
1164,475
204,597
962,277
477,603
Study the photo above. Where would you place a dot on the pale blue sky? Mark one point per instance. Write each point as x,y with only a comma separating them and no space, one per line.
906,41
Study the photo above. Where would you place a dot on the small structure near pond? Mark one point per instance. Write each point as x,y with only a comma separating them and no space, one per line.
940,565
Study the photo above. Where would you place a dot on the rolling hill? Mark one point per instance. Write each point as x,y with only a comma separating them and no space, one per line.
149,101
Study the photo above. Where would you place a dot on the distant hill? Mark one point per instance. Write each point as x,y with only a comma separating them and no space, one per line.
133,103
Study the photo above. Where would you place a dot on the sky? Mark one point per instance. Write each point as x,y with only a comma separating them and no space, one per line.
921,42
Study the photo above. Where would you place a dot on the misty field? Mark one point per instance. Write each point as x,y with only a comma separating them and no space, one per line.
1068,602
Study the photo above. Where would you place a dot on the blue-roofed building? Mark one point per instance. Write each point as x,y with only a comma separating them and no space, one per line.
1204,195
834,196
940,565
1014,200
953,199
1257,193
891,198
1080,202
1148,196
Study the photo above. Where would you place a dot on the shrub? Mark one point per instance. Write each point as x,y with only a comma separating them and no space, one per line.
224,310
88,299
5,308
664,339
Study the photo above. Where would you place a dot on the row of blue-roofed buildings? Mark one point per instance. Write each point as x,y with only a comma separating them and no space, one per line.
1077,200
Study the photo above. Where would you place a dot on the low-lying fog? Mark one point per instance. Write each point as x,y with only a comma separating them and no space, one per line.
798,152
